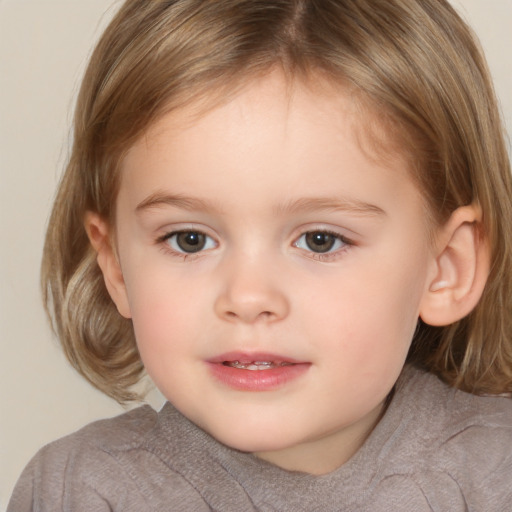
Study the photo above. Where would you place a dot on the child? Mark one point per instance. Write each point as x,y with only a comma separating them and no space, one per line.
296,217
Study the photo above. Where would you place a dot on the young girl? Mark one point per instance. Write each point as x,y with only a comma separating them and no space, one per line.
295,215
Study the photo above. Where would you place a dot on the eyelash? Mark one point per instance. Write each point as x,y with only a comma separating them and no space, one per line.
328,255
164,242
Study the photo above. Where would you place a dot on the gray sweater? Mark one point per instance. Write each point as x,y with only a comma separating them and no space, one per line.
436,449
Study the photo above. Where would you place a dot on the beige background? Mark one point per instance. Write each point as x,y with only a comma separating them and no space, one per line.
43,48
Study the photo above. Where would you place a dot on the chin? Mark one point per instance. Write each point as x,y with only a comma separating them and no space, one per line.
252,441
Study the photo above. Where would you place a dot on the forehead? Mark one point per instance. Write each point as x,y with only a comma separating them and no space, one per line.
270,146
285,101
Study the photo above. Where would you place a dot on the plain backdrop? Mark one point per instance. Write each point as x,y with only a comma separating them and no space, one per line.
44,46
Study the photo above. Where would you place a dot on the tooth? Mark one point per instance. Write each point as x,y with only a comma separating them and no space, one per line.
256,365
261,365
234,364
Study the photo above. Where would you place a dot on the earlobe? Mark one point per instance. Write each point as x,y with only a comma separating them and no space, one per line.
460,269
99,235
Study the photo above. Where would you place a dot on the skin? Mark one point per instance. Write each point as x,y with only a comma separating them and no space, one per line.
254,175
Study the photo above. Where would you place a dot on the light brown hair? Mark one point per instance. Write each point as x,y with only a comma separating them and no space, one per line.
414,61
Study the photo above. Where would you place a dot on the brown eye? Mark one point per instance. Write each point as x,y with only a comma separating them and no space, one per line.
189,242
319,241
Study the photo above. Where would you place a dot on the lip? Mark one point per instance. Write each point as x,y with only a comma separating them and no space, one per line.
256,380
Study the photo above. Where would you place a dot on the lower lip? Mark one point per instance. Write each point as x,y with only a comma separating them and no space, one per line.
257,380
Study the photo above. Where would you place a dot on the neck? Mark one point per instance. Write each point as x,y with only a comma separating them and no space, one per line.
326,454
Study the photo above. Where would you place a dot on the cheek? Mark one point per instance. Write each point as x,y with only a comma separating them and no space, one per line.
169,311
160,324
156,306
371,315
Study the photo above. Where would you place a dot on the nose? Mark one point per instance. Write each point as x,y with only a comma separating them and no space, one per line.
251,293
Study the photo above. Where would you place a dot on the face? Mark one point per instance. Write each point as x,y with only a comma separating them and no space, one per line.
273,269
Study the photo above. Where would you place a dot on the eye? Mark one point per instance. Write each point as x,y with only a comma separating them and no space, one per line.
321,241
189,242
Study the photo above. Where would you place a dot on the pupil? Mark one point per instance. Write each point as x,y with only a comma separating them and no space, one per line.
190,241
320,242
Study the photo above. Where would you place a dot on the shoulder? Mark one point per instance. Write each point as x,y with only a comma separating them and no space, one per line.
109,465
460,437
447,413
117,431
98,440
81,467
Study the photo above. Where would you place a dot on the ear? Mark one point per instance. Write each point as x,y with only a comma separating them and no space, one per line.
99,235
459,271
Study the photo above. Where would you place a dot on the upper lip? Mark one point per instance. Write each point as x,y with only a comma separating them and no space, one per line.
249,357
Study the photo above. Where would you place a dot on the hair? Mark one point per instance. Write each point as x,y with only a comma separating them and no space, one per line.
415,62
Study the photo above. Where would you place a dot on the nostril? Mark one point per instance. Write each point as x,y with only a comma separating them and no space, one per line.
250,305
263,315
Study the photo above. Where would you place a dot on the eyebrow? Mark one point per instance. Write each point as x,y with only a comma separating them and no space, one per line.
160,199
314,204
301,205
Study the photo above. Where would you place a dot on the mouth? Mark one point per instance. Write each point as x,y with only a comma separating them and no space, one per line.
256,372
